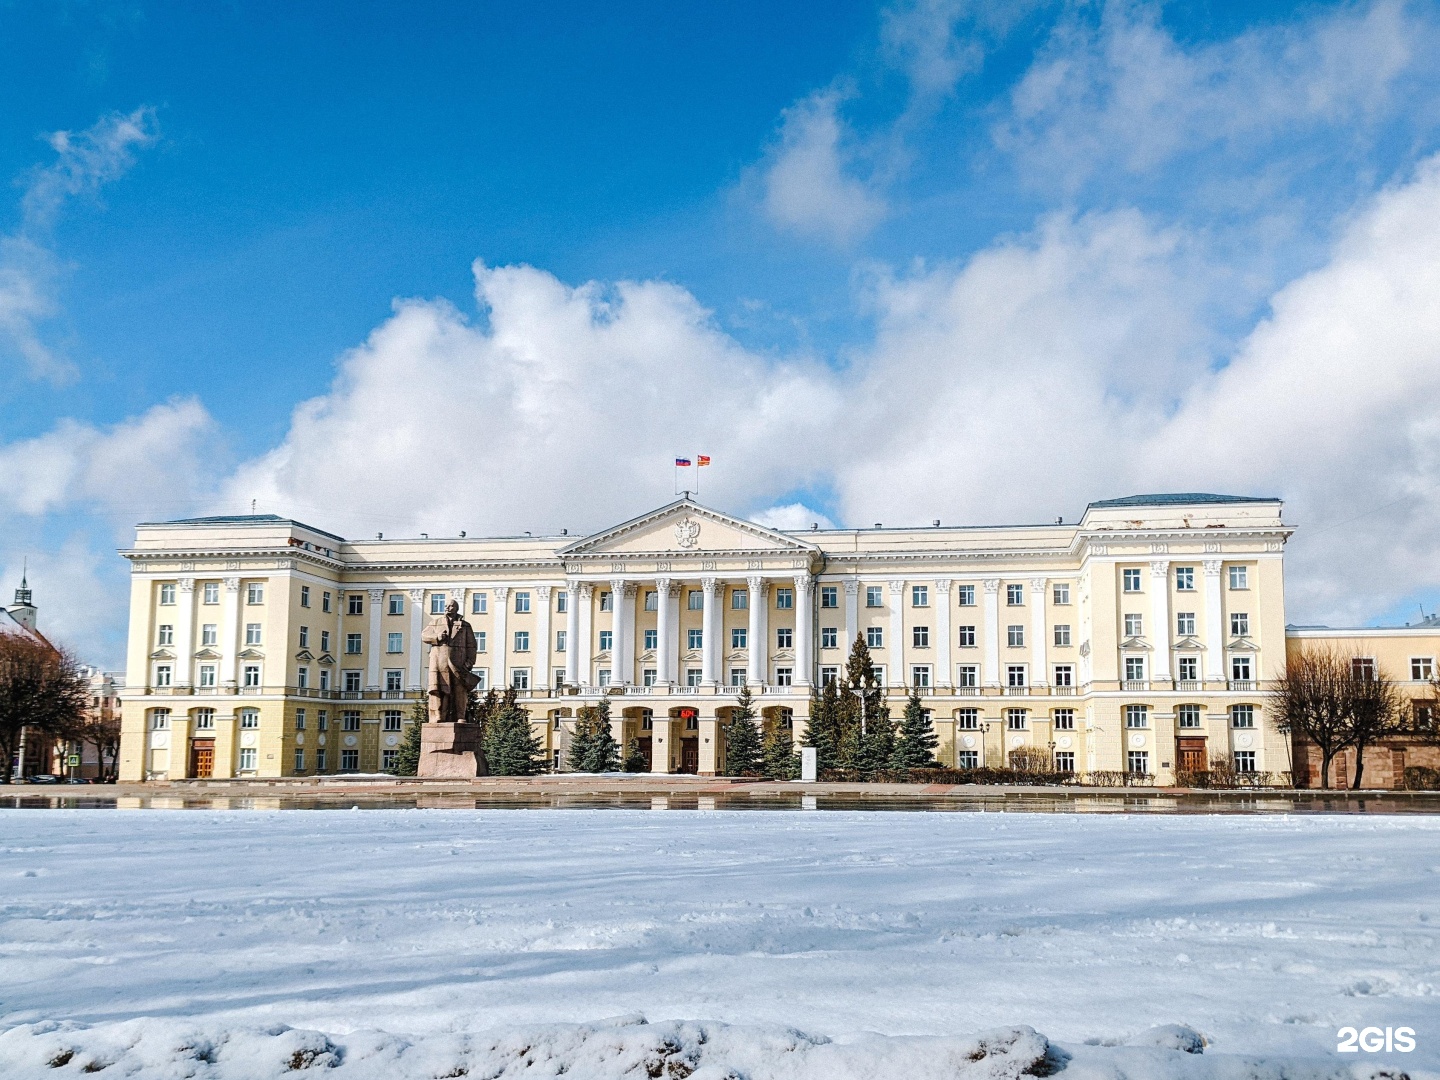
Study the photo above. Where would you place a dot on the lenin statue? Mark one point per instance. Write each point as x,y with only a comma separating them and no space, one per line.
452,655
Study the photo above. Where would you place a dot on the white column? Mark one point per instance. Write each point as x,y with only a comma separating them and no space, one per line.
625,639
185,632
617,631
804,628
372,653
709,654
991,675
1039,670
573,643
762,620
895,670
944,662
757,648
230,632
542,631
664,631
414,648
1214,632
1160,615
852,614
500,647
582,598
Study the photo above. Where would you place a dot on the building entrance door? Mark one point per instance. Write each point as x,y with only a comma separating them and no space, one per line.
690,756
202,758
1190,755
646,742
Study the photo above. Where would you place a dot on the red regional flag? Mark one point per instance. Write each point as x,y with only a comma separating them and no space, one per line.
703,460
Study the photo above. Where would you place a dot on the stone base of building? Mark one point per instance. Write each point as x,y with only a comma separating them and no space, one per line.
1386,764
448,751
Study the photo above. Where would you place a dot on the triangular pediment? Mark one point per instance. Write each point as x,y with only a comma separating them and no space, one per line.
207,654
686,528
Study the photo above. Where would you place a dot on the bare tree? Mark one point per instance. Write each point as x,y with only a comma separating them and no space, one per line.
103,732
1311,701
40,688
1376,710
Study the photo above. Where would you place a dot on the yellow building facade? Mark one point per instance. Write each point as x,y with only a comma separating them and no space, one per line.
1140,639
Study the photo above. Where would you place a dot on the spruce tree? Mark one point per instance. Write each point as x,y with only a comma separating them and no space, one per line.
594,749
635,758
742,740
867,735
823,730
915,749
778,759
511,746
479,711
407,760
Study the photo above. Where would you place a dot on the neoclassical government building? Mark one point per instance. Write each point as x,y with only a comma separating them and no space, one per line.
1139,639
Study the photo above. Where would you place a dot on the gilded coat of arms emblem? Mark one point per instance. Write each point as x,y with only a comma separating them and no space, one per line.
687,533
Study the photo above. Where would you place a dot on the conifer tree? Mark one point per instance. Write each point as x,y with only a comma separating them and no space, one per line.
915,748
742,740
594,749
867,736
407,760
511,746
823,730
634,757
778,759
479,711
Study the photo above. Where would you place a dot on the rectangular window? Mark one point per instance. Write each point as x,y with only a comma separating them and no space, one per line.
1239,577
388,759
967,595
1064,719
1422,669
205,719
1131,580
349,760
522,603
353,643
695,600
562,601
304,637
350,720
1137,716
481,639
252,676
784,637
167,595
1239,624
877,672
738,637
967,719
784,599
874,596
304,595
784,676
1240,668
1133,625
162,674
395,642
1184,579
920,676
1014,595
1065,761
394,681
397,604
607,601
1015,675
483,674
560,640
920,637
520,678
966,637
875,637
739,599
1363,668
648,676
651,638
829,596
522,640
437,603
1187,716
967,759
356,604
737,676
607,640
1060,594
1138,763
1185,623
829,675
320,760
1134,669
1015,719
325,641
248,757
165,635
160,720
249,718
322,720
1187,669
1064,675
695,638
393,720
252,633
352,682
829,637
968,676
692,676
211,592
302,678
324,678
1242,716
299,718
1244,761
651,600
325,601
919,596
1062,634
1015,635
479,603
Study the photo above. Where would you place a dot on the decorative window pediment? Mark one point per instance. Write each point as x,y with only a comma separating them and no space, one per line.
1135,644
326,658
162,654
207,654
1189,644
252,654
304,654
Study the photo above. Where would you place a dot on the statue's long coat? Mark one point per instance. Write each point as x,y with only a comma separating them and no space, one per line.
452,655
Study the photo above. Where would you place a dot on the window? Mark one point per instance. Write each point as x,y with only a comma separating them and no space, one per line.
784,638
167,595
737,676
873,597
738,637
967,719
302,678
1015,595
1015,635
1240,668
1131,580
479,603
1064,719
1134,669
1060,594
481,638
394,642
648,676
349,760
1184,579
968,675
437,603
353,643
304,637
1185,623
696,638
522,640
1064,675
877,672
1242,716
356,604
160,720
1363,668
920,676
325,641
1187,669
1239,624
1062,634
393,719
829,675
1422,669
784,676
739,599
651,638
252,676
919,596
350,720
252,633
522,603
324,601
920,637
352,682
210,591
692,676
829,596
1244,761
322,720
205,719
967,759
1015,675
651,600
250,719
324,678
1137,716
255,592
394,681
304,595
207,676
396,604
1239,577
695,600
967,595
320,760
562,601
1134,625
1138,763
875,637
165,635
1015,719
1187,716
829,637
248,756
784,599
483,674
1065,761
607,640
966,637
388,758
299,718
560,640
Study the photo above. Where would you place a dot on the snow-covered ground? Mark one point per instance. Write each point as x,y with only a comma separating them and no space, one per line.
393,944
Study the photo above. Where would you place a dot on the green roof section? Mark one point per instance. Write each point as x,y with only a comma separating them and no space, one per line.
1187,498
246,519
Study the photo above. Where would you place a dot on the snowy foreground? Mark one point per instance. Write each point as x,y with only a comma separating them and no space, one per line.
429,943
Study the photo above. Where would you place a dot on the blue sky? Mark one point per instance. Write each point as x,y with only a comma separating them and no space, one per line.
882,261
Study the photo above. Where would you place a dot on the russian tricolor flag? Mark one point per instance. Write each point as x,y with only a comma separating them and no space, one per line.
682,462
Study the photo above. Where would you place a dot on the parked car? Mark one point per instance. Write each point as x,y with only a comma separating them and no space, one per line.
42,778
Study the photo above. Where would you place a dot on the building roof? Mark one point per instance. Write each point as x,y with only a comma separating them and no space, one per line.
246,519
1187,498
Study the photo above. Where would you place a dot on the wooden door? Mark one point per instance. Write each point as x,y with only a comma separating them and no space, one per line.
690,755
202,758
1190,755
646,742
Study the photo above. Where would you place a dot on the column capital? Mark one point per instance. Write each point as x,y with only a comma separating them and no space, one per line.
1212,567
543,591
852,587
586,590
417,596
755,584
232,584
662,585
709,584
803,584
942,585
628,589
187,584
992,585
501,592
1159,568
1037,586
672,590
376,595
897,586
